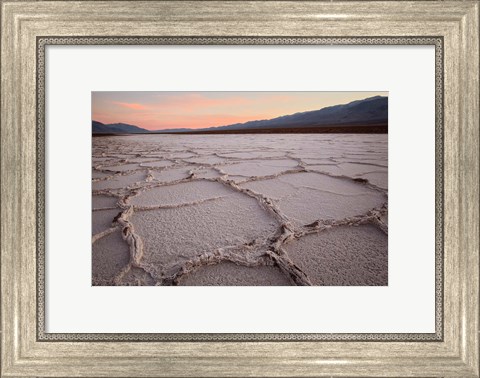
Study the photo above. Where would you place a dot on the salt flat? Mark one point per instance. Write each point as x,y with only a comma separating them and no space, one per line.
245,209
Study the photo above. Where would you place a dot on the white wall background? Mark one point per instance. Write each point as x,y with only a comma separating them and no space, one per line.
406,305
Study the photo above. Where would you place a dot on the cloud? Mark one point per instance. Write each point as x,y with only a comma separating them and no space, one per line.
128,105
192,101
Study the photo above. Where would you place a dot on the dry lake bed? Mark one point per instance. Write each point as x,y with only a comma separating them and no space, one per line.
245,209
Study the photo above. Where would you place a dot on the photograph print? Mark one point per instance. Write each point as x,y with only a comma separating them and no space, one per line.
239,188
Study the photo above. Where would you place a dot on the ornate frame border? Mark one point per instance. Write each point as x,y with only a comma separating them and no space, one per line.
43,42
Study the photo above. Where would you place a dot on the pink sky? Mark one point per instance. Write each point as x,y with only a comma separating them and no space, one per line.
168,110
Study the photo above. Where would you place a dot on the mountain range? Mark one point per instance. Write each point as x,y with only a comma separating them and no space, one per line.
116,128
367,112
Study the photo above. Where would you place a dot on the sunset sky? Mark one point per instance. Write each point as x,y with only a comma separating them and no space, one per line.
168,110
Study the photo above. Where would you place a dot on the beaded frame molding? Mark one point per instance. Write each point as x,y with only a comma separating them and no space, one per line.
437,42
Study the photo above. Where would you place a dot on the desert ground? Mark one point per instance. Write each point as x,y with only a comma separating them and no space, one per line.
245,210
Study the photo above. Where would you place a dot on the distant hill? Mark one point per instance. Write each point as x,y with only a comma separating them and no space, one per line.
373,110
171,130
364,113
116,128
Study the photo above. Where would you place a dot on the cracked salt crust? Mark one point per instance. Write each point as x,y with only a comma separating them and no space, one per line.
252,155
187,231
230,274
255,168
207,160
181,193
305,197
157,164
100,175
103,202
103,219
378,179
121,168
240,210
173,174
120,181
343,256
206,173
348,169
110,255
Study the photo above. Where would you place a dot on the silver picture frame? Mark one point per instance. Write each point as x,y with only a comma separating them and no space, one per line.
29,27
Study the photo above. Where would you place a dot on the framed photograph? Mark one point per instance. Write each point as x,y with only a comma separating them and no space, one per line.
178,201
240,188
